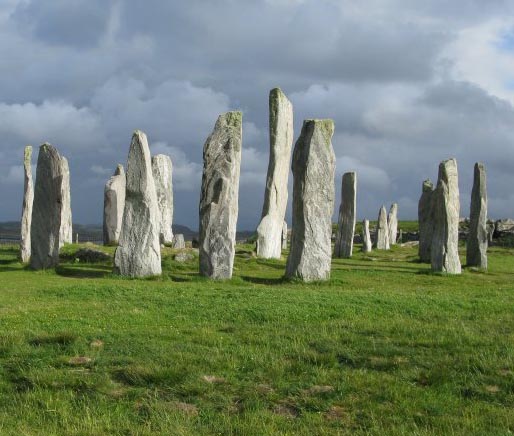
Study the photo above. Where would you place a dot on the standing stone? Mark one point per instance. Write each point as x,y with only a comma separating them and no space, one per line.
445,240
347,216
382,234
426,221
392,223
114,205
284,236
162,174
66,232
138,253
28,199
366,238
45,228
219,197
313,202
178,242
476,250
269,231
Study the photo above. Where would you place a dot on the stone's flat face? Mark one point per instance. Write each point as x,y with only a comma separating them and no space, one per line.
179,241
269,231
347,216
284,236
219,197
28,199
138,253
366,238
392,224
162,174
476,248
47,209
66,233
313,202
382,235
114,205
445,240
426,221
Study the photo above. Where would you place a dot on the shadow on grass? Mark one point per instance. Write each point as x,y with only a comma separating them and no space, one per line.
265,280
82,271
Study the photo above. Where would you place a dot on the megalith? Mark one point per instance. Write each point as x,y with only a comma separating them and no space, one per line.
366,238
284,236
66,232
476,248
45,229
114,205
392,224
269,231
219,197
138,253
382,234
28,199
313,168
162,173
445,240
347,216
426,221
178,241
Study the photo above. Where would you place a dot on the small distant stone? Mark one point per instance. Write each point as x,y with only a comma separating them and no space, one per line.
97,343
492,389
80,360
213,379
183,256
315,390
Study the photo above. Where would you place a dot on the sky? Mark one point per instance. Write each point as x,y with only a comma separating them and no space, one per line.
408,84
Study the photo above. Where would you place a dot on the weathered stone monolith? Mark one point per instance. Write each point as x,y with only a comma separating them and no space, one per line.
445,240
347,216
219,197
178,241
284,236
392,224
45,229
476,249
426,221
313,202
162,174
66,232
28,199
138,253
114,205
269,231
382,234
366,238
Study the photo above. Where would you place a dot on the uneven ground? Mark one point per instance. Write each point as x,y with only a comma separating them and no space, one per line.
384,348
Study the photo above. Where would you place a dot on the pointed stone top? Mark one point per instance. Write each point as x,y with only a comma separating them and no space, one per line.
325,125
27,153
428,186
119,171
231,119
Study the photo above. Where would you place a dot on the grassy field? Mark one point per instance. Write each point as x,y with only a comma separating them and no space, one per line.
384,348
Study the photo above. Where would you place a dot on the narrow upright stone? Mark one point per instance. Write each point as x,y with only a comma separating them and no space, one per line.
313,202
269,231
45,229
219,197
66,232
347,216
28,199
382,235
392,224
114,205
162,174
366,238
476,249
284,236
178,241
426,221
138,253
445,240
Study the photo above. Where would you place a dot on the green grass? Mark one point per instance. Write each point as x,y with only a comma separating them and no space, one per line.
384,348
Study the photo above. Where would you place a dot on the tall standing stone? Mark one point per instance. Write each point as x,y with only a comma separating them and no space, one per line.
28,199
66,232
382,234
392,224
162,174
313,202
138,253
45,229
219,197
476,249
366,238
426,221
445,240
114,205
269,231
284,236
347,216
